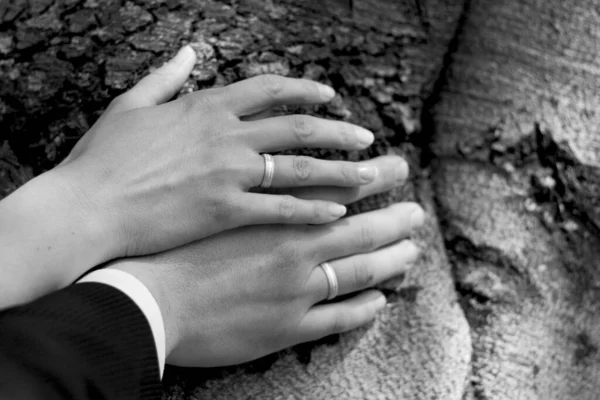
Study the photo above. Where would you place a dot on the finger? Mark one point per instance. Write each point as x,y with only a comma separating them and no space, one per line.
297,131
366,232
293,171
160,85
363,271
265,91
392,172
274,209
328,319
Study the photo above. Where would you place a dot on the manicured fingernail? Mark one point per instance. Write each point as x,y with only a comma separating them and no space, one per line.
337,210
327,92
367,173
365,137
417,218
401,172
379,303
183,55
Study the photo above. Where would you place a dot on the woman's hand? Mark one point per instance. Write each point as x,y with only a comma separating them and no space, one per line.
162,175
245,293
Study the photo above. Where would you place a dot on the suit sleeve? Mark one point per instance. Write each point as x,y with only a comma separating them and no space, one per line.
88,341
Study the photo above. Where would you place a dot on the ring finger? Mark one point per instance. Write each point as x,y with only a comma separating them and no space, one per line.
392,171
292,171
362,271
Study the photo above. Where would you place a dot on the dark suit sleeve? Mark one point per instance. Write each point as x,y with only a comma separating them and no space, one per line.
88,341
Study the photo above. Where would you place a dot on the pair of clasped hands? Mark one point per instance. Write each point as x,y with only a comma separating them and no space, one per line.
161,189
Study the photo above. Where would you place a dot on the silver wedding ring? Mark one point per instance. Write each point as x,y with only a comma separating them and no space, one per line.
332,281
267,179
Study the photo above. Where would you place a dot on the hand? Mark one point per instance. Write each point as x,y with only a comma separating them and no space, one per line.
248,292
162,175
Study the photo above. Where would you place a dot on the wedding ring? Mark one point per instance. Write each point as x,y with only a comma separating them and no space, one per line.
332,281
269,171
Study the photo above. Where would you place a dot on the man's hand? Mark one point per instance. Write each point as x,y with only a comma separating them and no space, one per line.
248,292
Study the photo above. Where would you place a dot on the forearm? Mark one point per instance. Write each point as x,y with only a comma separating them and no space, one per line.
49,235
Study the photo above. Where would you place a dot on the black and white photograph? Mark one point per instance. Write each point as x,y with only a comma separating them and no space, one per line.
299,200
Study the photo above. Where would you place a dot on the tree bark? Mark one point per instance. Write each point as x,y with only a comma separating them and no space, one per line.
517,179
498,125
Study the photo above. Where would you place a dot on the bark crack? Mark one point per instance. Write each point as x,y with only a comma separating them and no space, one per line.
427,157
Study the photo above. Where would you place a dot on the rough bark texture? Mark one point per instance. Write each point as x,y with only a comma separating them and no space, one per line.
497,121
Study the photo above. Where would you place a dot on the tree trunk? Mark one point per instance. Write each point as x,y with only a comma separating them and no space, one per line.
517,182
497,123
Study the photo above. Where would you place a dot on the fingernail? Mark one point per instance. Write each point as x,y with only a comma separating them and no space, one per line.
380,303
367,173
337,210
411,252
417,218
327,92
365,137
183,55
401,172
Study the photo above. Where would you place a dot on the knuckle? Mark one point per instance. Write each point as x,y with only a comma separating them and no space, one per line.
287,208
301,127
366,240
204,101
363,274
287,256
312,91
224,210
212,97
347,134
349,173
303,167
271,84
320,211
323,211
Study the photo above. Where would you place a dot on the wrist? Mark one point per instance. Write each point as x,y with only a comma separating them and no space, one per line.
154,282
49,235
87,200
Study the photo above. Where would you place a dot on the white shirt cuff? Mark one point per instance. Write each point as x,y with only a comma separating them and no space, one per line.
142,297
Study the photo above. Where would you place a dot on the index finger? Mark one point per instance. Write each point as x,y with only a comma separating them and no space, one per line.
265,91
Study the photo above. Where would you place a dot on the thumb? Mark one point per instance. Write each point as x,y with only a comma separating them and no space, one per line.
160,85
